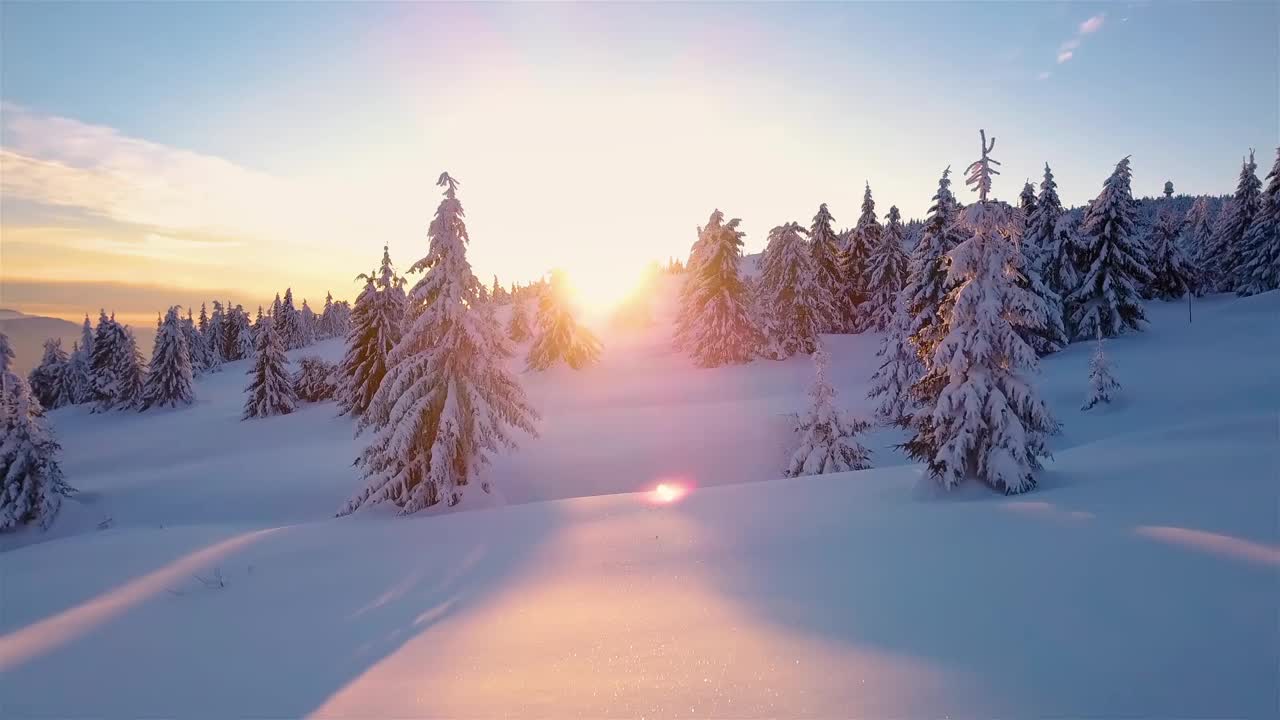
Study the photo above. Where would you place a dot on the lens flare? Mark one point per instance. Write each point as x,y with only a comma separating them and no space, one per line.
668,492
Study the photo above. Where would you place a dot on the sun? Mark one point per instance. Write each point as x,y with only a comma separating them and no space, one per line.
600,290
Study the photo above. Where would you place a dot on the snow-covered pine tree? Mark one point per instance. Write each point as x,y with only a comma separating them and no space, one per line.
499,293
560,337
886,274
79,381
1051,336
106,362
927,287
131,372
1258,269
1221,257
48,380
832,292
228,338
203,323
719,327
900,368
1102,384
987,422
1173,275
324,326
448,400
314,380
270,389
1111,262
376,325
858,245
341,318
195,345
828,435
31,482
686,308
288,323
1040,238
1027,199
793,309
307,324
169,380
1199,230
518,329
243,346
214,336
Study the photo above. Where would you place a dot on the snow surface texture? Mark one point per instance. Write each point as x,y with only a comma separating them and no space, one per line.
1140,579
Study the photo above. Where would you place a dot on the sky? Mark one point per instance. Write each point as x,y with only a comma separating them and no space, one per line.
160,153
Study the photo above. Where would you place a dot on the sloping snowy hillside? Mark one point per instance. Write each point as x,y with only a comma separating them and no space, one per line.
1141,578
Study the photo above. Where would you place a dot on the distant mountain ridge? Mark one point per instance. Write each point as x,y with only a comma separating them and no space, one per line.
27,334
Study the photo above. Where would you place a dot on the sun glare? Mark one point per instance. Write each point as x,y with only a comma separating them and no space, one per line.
599,291
667,493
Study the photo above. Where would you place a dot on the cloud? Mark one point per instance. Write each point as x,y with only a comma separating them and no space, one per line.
1093,24
1044,75
1067,50
56,161
163,247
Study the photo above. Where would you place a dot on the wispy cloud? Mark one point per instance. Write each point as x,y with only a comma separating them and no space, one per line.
89,201
1067,50
1044,75
1093,24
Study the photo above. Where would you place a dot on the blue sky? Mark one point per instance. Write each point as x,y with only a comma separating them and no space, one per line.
587,136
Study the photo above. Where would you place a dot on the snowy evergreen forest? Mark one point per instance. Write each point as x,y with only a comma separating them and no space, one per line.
967,300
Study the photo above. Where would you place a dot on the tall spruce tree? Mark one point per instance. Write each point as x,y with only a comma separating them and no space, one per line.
31,482
307,323
1199,230
825,250
987,422
78,381
243,345
686,308
131,372
518,329
288,323
195,345
1051,336
270,390
1041,238
169,380
112,366
928,287
48,380
214,336
1258,269
792,307
376,326
448,401
560,337
858,245
900,368
1173,275
886,273
1027,199
718,326
1221,257
1112,264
